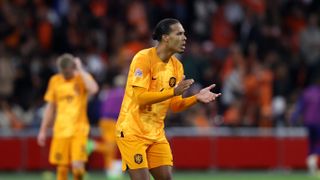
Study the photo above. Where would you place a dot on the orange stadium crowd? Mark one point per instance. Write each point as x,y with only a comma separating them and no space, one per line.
261,54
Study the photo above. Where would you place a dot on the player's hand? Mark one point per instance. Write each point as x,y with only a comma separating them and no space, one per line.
41,139
78,63
206,96
182,86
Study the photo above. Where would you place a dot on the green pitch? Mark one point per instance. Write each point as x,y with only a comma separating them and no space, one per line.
178,175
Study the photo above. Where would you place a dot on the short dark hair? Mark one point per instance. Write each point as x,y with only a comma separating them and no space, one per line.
163,27
65,60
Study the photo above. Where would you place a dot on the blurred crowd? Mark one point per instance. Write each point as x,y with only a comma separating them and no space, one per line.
260,53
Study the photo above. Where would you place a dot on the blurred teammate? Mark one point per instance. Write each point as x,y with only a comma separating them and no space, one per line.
66,98
309,106
155,83
110,104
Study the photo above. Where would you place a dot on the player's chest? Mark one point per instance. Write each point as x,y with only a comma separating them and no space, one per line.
67,91
163,76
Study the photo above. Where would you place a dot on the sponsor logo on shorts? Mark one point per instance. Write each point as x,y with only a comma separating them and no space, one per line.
172,81
58,156
138,158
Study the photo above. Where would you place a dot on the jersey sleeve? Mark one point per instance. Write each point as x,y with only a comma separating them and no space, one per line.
50,95
140,71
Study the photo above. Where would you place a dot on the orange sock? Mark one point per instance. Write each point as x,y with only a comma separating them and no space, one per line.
62,172
78,173
109,155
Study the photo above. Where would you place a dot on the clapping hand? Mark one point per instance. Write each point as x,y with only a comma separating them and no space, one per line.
206,96
182,86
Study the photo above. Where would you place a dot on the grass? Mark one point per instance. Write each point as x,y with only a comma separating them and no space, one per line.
179,175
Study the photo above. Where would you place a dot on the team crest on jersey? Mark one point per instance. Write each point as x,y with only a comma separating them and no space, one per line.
172,81
138,158
138,73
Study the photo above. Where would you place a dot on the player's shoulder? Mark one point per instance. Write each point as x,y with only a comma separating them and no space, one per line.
144,53
56,77
176,60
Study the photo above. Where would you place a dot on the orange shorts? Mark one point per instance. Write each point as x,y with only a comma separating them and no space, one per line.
141,153
63,151
108,130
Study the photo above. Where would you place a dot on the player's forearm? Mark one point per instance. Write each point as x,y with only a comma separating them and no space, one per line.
90,84
45,124
181,104
144,97
48,117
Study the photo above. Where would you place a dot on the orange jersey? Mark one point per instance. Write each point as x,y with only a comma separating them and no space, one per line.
148,71
70,98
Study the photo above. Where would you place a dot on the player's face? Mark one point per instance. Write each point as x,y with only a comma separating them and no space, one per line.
177,38
68,72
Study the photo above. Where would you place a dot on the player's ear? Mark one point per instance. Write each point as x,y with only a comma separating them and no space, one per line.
165,38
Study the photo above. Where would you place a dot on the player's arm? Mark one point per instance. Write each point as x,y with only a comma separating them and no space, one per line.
144,97
178,103
205,96
47,120
90,84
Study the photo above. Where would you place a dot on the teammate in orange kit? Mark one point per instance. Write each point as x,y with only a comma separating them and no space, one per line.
155,83
66,97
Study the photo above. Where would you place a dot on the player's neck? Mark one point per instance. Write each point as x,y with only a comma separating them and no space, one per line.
163,53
